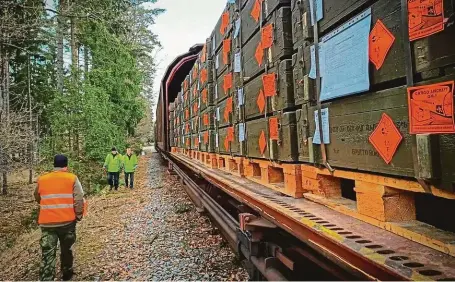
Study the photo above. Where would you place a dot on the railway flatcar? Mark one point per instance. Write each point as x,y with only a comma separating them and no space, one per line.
330,121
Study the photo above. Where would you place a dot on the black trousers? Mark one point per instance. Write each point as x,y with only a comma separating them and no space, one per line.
112,178
129,175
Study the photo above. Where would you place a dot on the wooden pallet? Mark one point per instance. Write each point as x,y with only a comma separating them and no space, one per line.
208,159
230,164
283,178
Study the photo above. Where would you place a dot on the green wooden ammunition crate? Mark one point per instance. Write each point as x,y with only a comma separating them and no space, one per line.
186,83
217,37
186,99
260,144
194,72
281,49
249,24
302,31
220,93
220,64
303,134
207,120
206,73
228,144
430,57
352,120
207,141
304,86
254,89
225,112
195,125
194,92
206,97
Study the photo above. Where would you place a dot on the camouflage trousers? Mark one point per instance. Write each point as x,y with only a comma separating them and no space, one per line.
49,240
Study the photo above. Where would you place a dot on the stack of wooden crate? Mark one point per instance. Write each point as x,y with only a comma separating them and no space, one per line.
250,99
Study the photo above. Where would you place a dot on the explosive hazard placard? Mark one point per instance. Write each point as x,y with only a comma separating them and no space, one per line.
426,17
431,108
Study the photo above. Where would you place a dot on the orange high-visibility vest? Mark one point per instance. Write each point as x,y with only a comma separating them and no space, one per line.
57,200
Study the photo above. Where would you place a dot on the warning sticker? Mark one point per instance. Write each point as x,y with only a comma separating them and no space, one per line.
226,50
269,83
273,128
206,137
227,82
267,36
195,107
206,119
256,12
203,76
431,108
426,17
230,133
204,95
381,40
259,54
187,114
386,138
224,22
262,142
228,109
261,101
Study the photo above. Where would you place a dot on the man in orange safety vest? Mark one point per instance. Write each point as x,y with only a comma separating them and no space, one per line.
61,199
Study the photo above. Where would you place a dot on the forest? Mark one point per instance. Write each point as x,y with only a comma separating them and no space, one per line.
76,78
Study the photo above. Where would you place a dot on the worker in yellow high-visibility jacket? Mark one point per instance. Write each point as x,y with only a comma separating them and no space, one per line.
61,199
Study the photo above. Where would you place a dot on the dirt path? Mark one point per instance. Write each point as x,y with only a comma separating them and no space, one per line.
150,233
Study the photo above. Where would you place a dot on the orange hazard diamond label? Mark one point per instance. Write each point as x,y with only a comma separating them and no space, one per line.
203,76
227,82
206,137
267,36
256,12
386,138
261,101
262,142
259,54
269,83
381,40
273,128
204,95
224,22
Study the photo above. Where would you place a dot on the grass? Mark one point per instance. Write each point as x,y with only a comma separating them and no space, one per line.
30,222
182,208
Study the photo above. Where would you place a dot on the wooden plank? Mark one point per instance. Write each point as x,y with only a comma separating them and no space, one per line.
281,48
249,24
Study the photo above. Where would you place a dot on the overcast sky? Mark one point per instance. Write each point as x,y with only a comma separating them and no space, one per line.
184,24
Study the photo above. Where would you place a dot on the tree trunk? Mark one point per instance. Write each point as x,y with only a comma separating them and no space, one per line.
5,184
60,31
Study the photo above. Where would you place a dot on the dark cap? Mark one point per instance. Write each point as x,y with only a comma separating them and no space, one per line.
114,149
60,161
